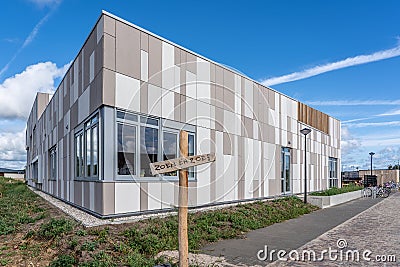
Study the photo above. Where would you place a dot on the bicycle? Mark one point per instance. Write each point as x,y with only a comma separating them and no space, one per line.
382,192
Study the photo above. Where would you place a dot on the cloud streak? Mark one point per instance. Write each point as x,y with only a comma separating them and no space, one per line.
42,3
354,103
373,124
31,35
35,31
348,62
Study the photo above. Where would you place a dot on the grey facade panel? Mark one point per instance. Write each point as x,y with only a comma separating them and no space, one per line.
127,50
155,57
246,130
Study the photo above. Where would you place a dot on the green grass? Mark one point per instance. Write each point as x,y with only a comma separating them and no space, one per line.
55,228
336,191
155,235
18,206
42,228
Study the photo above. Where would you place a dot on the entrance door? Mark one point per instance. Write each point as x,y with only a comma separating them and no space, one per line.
285,171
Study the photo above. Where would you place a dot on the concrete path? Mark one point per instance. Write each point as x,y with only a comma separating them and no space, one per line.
295,233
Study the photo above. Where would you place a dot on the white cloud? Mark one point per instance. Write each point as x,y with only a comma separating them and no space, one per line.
348,62
354,103
348,142
12,150
17,93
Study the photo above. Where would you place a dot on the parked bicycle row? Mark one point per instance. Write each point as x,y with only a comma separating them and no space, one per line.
377,191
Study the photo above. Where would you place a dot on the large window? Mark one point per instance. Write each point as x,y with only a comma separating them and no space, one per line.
142,140
35,171
79,159
53,163
87,149
148,149
126,149
170,148
333,177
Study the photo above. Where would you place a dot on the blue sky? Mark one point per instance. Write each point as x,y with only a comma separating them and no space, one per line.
345,56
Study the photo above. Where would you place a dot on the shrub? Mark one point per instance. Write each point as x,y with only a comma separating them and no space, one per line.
336,191
55,227
63,261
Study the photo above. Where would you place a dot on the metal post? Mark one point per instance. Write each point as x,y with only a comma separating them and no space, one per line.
305,169
371,154
371,165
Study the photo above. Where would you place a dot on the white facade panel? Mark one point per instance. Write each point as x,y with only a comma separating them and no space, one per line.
191,85
230,183
127,197
168,71
127,92
154,100
154,196
167,105
167,192
144,65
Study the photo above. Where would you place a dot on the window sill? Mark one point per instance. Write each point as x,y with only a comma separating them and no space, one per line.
86,179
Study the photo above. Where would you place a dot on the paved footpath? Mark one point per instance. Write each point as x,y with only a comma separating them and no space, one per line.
359,225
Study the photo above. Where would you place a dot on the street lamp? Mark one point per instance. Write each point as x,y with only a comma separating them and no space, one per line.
371,154
305,131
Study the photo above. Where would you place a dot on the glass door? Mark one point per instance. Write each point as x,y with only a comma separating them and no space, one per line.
285,171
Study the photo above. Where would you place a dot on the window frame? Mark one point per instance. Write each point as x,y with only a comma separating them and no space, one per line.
91,126
333,179
53,161
126,176
173,127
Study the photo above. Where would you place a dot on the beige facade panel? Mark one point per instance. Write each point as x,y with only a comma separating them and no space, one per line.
127,46
123,67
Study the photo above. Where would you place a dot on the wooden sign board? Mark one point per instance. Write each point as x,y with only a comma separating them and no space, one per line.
180,163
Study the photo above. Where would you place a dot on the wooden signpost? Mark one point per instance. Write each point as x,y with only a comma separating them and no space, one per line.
182,164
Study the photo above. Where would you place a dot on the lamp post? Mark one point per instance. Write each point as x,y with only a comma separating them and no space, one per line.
305,131
371,154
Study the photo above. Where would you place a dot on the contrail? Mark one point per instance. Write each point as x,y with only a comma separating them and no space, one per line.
348,62
28,40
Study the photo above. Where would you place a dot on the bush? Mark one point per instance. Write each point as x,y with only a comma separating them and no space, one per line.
336,191
63,261
55,227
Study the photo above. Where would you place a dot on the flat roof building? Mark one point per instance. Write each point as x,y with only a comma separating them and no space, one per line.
121,105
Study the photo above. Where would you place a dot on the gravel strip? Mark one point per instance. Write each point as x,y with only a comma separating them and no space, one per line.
89,220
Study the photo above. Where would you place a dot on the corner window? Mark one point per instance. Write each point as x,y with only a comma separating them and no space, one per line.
53,164
142,140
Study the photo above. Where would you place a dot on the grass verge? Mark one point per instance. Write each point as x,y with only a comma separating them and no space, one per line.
52,238
336,191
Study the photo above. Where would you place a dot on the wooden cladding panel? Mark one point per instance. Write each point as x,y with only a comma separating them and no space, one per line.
313,117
